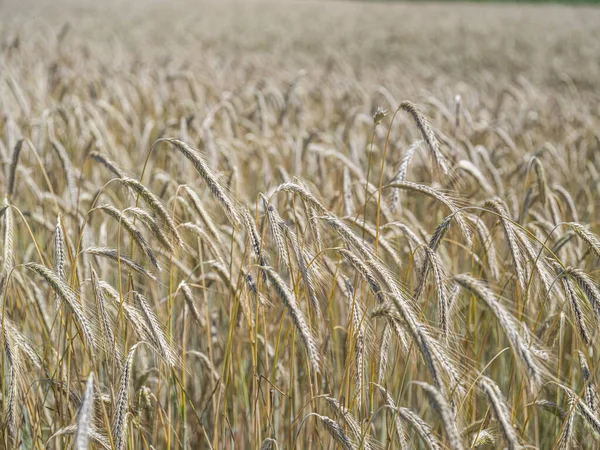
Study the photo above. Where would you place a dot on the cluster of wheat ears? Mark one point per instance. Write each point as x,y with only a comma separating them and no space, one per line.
191,260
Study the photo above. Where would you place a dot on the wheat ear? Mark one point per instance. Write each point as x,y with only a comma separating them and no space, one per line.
85,416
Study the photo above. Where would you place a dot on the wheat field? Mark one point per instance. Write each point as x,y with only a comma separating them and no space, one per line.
298,225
